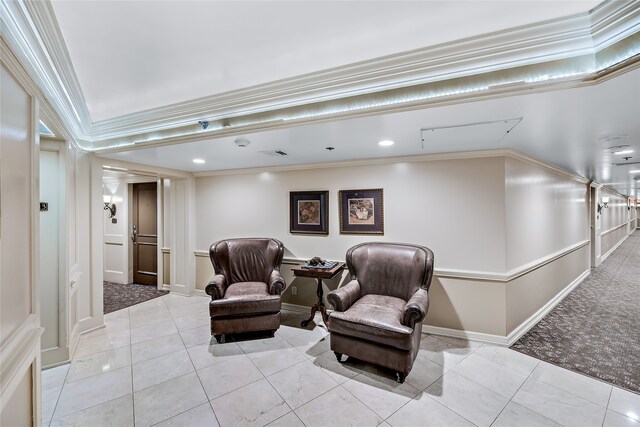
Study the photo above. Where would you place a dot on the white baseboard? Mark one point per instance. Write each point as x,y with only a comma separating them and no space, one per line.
457,333
165,287
200,293
297,308
538,315
518,332
610,251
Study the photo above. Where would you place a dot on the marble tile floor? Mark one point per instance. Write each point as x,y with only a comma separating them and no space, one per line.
156,364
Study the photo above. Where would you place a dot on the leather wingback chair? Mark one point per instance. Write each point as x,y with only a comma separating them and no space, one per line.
245,291
378,315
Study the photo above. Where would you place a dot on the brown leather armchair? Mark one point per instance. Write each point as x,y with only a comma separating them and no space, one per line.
245,292
378,315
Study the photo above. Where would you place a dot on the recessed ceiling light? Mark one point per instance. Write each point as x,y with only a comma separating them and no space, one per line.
386,143
198,161
623,152
634,171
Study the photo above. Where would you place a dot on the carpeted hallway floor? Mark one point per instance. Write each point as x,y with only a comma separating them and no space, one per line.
595,330
117,296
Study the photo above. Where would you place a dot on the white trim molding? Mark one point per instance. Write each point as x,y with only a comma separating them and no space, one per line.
518,332
524,327
541,54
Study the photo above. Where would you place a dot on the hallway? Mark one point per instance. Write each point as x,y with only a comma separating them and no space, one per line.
594,330
156,364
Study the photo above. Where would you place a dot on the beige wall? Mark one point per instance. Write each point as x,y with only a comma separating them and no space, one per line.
528,293
427,203
545,212
613,221
526,242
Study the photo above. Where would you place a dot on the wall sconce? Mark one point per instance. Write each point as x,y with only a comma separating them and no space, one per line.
605,204
108,206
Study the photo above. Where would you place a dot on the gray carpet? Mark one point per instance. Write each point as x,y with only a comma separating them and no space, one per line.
595,330
117,296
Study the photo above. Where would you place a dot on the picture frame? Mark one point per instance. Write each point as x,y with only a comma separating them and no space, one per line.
309,212
361,211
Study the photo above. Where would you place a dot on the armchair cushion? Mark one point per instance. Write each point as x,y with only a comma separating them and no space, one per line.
245,298
376,318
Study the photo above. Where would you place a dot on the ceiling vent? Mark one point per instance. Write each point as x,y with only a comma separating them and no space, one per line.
273,153
242,142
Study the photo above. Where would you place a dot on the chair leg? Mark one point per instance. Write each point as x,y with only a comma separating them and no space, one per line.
400,377
338,356
218,338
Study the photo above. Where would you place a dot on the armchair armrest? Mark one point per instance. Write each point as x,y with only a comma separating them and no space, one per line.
342,298
276,283
416,308
217,287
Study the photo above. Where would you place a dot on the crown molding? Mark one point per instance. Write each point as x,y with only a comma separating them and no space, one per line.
34,35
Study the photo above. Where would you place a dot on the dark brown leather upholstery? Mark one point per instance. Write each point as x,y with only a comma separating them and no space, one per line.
245,292
378,314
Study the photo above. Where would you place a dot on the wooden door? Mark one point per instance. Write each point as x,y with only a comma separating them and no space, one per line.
145,234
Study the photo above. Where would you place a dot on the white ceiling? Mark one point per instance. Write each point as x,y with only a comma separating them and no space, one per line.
136,55
131,56
568,128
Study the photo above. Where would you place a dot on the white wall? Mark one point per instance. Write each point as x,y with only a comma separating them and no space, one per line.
545,212
454,207
614,221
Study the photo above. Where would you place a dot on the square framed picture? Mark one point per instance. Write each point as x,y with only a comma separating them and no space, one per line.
308,212
361,211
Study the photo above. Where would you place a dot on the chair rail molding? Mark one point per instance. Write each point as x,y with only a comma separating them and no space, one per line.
595,41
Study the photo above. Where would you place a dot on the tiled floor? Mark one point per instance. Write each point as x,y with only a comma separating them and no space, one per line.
155,364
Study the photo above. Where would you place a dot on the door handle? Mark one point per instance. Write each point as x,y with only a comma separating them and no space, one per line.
134,234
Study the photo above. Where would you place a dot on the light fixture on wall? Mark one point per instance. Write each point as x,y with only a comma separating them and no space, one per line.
108,206
605,204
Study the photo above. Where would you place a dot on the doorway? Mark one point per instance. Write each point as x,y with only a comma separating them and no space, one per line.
144,233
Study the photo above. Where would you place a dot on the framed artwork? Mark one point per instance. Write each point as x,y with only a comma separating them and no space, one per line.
308,212
361,211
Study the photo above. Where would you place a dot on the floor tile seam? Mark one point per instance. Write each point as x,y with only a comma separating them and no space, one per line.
436,401
99,373
282,416
149,339
522,404
267,379
64,382
204,390
296,364
473,349
572,393
624,415
93,406
166,355
487,359
293,409
356,397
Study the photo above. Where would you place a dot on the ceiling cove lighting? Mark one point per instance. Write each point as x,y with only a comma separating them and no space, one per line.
198,161
386,143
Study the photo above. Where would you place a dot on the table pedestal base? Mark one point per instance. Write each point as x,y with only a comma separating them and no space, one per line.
319,306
